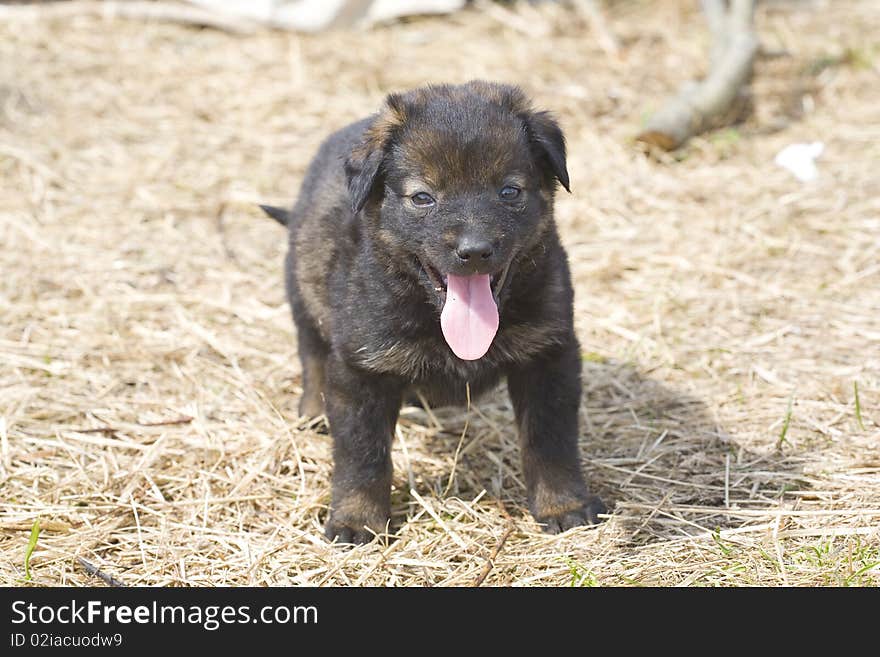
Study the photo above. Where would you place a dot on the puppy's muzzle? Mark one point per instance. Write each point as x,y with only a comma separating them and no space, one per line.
473,254
473,249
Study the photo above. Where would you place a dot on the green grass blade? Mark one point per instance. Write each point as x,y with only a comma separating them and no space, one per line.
32,544
785,423
580,574
858,405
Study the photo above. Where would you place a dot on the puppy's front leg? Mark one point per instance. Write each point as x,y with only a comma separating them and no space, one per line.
362,409
546,396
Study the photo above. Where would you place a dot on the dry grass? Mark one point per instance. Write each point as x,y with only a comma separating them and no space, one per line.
148,376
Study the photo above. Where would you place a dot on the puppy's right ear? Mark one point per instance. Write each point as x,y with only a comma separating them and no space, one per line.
363,167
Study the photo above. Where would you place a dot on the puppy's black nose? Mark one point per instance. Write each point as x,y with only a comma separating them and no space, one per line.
473,248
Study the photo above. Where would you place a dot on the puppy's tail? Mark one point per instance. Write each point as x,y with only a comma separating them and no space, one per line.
280,215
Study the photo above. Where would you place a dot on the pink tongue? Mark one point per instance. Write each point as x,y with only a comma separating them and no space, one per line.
470,317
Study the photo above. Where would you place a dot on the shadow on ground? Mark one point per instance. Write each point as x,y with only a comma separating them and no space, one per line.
646,448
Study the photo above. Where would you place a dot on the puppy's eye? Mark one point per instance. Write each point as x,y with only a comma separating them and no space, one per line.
422,200
509,193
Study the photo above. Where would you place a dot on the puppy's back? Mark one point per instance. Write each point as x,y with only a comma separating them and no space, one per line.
321,227
324,191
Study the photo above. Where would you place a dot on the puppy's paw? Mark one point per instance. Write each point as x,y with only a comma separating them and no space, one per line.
357,516
343,534
350,531
311,405
555,521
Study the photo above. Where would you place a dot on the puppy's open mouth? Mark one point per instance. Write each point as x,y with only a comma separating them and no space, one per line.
469,309
439,282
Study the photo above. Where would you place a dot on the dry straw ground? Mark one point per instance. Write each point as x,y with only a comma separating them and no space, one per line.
148,376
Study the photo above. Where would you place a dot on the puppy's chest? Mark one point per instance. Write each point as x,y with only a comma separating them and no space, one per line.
422,357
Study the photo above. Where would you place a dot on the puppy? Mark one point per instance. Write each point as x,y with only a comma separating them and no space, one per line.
424,257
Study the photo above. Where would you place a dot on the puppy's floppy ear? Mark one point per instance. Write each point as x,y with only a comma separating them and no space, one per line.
362,170
363,167
546,135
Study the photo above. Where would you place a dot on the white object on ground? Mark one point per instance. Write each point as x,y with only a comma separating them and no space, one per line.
301,15
317,15
799,160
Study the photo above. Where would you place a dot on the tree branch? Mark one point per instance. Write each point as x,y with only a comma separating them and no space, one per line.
700,105
156,11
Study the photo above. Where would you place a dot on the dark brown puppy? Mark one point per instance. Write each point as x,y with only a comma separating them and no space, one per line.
424,256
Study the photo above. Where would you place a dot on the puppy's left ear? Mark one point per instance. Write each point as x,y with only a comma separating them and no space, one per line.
363,167
547,138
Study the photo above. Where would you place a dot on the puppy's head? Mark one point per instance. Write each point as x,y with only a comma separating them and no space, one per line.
456,182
